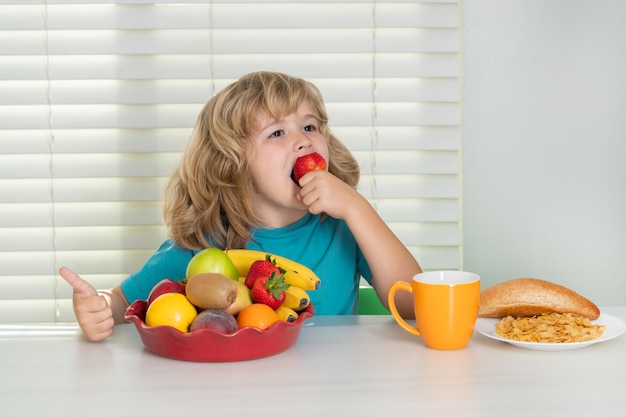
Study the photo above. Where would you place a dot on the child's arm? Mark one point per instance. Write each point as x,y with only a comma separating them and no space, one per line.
389,260
97,312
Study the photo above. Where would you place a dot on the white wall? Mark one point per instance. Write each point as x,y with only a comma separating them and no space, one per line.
545,143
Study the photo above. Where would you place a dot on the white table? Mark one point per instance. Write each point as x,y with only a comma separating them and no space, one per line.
340,366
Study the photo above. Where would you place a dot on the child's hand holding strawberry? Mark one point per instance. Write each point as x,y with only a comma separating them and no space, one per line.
321,191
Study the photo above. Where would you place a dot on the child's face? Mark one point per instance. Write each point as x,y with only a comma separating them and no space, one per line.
274,149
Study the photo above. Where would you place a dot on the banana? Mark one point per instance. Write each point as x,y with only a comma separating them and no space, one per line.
296,274
296,278
286,314
296,298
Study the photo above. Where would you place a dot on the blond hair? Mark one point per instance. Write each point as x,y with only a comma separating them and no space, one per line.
207,199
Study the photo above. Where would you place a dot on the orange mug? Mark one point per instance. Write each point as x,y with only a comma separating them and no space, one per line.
446,307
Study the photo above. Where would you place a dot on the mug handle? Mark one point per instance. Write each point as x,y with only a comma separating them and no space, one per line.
400,286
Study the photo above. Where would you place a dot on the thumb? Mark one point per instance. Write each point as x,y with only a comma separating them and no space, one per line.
80,286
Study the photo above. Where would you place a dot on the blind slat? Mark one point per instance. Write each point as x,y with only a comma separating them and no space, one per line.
225,15
83,213
139,165
179,115
226,41
83,189
107,140
222,67
198,90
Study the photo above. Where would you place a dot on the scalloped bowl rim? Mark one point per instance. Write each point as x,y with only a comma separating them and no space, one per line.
134,317
135,313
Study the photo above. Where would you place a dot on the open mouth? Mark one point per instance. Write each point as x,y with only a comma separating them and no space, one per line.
293,178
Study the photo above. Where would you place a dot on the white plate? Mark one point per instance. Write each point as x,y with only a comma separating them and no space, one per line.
614,328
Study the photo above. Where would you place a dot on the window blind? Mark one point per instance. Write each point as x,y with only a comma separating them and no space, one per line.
98,99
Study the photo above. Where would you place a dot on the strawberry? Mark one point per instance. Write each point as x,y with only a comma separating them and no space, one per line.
270,290
261,268
308,163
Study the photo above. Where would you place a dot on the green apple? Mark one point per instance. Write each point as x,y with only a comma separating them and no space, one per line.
212,260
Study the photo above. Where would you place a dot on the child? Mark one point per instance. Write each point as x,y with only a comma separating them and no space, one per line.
234,189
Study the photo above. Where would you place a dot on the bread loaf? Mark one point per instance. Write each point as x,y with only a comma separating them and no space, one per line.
524,297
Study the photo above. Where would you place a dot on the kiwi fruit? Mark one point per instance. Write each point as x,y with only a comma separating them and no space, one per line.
211,290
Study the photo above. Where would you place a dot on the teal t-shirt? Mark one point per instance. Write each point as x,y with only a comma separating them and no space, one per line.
324,245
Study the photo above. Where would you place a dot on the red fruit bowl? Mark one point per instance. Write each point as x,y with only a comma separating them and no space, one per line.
208,345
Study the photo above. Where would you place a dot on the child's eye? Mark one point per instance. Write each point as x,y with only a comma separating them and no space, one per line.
310,128
277,134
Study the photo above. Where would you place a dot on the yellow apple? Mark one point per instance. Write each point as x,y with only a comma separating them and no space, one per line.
243,300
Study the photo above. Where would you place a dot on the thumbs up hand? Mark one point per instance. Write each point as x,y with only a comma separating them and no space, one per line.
93,312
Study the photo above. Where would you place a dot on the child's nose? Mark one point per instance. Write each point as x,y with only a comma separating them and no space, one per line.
302,141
